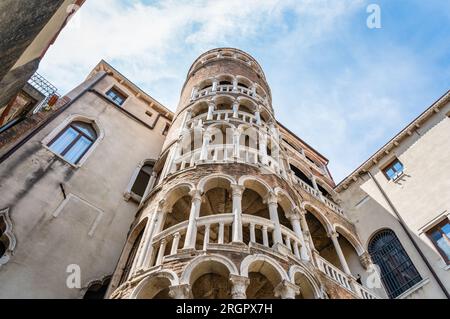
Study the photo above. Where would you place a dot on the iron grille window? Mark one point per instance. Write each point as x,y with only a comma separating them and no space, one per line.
397,270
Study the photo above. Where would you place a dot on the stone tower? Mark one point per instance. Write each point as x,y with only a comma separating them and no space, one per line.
237,205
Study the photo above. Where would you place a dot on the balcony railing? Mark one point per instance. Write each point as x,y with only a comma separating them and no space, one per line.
317,194
211,230
228,88
226,115
224,153
342,279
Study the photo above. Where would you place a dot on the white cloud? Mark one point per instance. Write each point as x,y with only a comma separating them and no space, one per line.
339,109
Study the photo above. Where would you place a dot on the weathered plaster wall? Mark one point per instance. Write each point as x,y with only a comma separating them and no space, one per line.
90,228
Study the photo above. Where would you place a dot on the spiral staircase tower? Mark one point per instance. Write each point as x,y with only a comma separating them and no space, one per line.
225,215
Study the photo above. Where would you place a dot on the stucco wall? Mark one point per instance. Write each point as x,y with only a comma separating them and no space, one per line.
420,195
91,226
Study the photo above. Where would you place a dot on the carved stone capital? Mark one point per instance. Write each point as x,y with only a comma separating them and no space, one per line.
237,190
180,291
286,290
366,260
272,199
195,195
239,288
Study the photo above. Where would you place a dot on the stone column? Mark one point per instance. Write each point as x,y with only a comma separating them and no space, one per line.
258,117
180,291
194,92
263,147
286,290
211,107
305,228
295,222
204,150
235,109
235,85
272,201
191,232
239,286
334,238
237,191
150,185
175,241
236,146
214,85
253,88
148,249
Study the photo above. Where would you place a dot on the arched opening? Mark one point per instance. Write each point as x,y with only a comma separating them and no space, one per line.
224,102
135,241
177,207
216,200
322,243
253,204
352,258
244,82
210,280
206,84
199,108
307,290
398,273
264,278
98,289
4,242
217,197
142,179
155,288
301,175
247,106
284,208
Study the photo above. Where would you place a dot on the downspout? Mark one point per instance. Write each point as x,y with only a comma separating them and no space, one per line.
405,228
50,118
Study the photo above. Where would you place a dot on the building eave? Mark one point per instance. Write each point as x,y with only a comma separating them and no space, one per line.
157,106
394,142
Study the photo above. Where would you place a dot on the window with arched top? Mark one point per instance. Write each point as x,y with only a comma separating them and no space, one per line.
398,273
7,238
74,141
131,257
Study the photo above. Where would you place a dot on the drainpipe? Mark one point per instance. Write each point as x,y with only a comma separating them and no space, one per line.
405,228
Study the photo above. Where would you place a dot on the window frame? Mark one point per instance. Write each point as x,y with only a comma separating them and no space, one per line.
432,229
117,92
390,165
61,126
75,140
128,193
388,270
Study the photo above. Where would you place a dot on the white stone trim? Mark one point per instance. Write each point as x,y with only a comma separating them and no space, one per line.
4,214
71,118
413,289
94,225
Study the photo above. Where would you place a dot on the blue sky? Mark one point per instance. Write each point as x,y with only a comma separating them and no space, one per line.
342,87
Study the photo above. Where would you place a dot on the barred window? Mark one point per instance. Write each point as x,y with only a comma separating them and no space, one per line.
397,270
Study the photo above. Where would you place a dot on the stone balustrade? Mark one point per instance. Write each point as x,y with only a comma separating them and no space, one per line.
317,194
224,153
228,88
342,279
